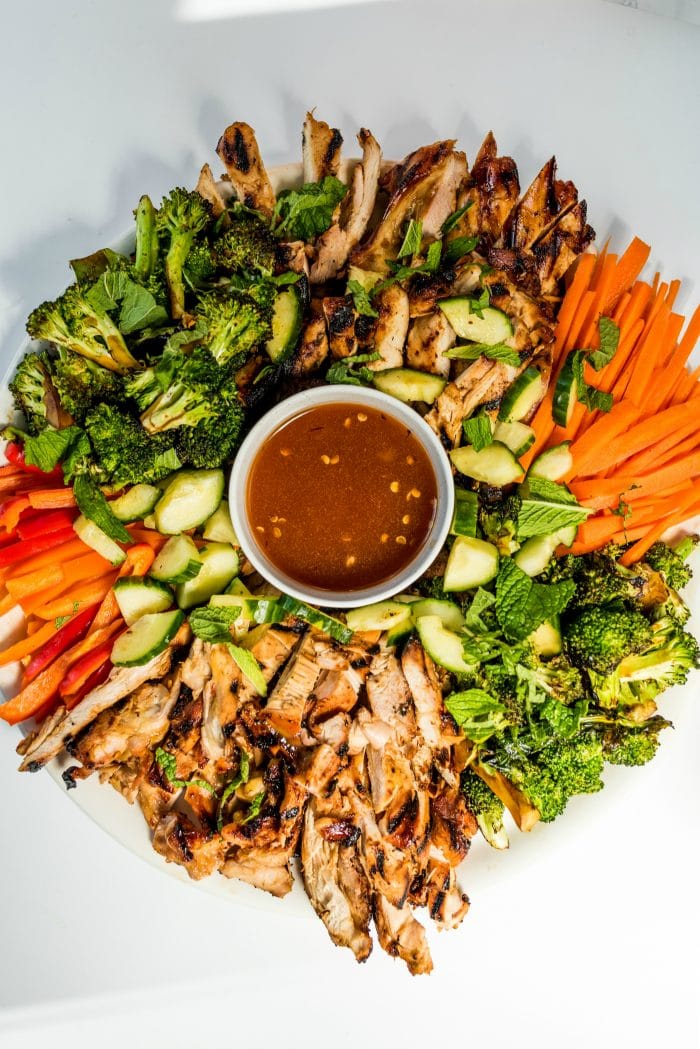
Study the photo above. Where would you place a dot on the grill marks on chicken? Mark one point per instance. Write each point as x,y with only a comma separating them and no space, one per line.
240,155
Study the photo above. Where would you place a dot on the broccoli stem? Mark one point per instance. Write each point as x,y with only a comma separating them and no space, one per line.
146,238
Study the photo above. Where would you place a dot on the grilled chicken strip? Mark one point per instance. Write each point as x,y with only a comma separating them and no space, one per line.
286,704
561,246
320,149
428,339
492,193
313,348
121,682
335,245
391,328
238,151
178,840
401,936
207,188
340,320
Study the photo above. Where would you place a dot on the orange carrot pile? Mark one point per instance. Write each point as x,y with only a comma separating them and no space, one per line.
638,465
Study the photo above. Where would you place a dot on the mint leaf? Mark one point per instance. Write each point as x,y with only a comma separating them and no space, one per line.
46,450
168,763
303,214
537,517
432,257
250,668
412,239
213,624
457,248
452,220
139,310
479,305
93,505
477,713
609,339
590,396
473,350
255,807
399,272
352,370
478,431
522,604
541,488
481,602
360,298
230,788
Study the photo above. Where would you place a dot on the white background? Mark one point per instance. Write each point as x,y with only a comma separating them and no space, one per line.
584,934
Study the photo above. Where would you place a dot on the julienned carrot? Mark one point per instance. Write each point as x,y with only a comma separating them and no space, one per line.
57,555
146,535
600,435
51,498
139,559
673,289
11,512
587,305
74,600
630,265
636,552
40,579
676,443
10,470
27,645
620,537
607,445
647,358
572,300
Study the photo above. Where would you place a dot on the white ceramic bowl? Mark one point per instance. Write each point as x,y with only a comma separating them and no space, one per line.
356,395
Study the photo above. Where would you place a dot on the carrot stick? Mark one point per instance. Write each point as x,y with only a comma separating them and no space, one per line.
139,559
27,645
631,264
589,332
647,356
637,552
66,604
588,449
6,603
146,535
676,443
619,537
587,304
51,498
10,470
608,445
673,289
40,579
9,518
572,301
57,555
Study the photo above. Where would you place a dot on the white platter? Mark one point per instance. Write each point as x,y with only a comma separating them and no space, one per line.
484,867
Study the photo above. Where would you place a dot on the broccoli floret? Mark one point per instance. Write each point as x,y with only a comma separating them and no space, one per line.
235,325
600,579
671,563
80,383
143,387
499,523
212,443
633,745
432,586
72,321
486,808
554,774
146,259
599,638
191,395
247,246
125,453
29,387
557,677
200,266
182,216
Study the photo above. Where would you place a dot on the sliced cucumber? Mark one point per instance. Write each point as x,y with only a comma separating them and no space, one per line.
219,528
219,565
536,553
408,385
135,504
321,620
189,500
567,536
471,563
546,639
522,397
442,645
382,615
178,561
238,588
225,601
400,629
95,538
489,325
464,520
241,626
449,612
495,465
286,325
553,464
139,596
565,393
146,639
150,522
516,436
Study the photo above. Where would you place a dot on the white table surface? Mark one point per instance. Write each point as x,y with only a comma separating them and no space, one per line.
587,934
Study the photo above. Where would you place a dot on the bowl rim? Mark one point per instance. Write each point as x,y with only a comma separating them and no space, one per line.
286,410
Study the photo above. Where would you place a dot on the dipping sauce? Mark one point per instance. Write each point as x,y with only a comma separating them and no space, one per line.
341,497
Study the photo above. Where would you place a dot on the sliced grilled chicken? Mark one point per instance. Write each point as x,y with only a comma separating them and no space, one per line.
239,152
391,328
262,869
444,200
401,936
293,255
446,903
492,193
561,246
178,840
320,149
427,175
207,188
313,348
334,246
286,703
340,320
428,339
121,682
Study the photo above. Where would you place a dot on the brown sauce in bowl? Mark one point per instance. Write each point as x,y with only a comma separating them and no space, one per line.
341,497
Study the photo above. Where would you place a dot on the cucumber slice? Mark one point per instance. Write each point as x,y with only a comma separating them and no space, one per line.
150,522
442,645
565,393
554,464
139,597
95,538
146,639
546,639
189,500
408,385
567,536
178,561
495,465
489,325
516,436
522,397
225,601
536,553
382,615
465,517
241,626
135,504
238,588
219,527
219,565
401,629
449,613
286,325
471,563
328,624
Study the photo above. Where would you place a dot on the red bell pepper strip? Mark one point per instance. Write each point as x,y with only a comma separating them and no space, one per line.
74,630
44,524
14,453
95,679
10,555
81,671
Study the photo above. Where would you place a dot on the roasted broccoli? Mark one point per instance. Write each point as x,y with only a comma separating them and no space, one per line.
190,396
598,638
29,387
600,579
146,259
211,444
235,325
486,808
633,745
80,383
671,562
72,321
499,523
247,246
125,453
182,216
200,267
